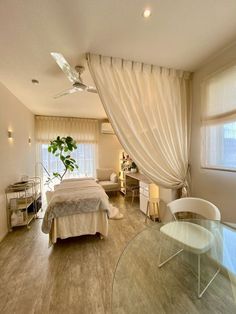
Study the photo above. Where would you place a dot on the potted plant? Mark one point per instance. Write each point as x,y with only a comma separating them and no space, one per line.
61,147
133,167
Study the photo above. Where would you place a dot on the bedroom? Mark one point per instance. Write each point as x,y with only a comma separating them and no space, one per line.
183,36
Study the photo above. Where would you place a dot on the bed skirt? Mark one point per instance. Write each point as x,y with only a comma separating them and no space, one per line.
78,224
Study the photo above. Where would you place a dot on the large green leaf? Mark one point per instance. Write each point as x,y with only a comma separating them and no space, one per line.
58,147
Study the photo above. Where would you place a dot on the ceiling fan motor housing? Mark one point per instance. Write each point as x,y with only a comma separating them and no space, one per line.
73,75
79,68
79,85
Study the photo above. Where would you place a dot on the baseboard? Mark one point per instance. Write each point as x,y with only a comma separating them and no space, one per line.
3,236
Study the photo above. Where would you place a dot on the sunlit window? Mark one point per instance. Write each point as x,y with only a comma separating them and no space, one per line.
85,156
219,120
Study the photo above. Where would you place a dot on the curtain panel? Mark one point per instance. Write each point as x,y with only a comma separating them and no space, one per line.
81,130
149,109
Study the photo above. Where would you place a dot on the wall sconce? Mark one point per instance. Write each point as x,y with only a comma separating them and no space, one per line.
10,137
29,140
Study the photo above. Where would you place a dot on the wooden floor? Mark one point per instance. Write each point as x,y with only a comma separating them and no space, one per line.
74,276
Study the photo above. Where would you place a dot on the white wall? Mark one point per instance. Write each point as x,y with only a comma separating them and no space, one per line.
218,187
109,150
17,157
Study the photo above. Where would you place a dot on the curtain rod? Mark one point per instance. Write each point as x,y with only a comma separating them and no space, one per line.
41,115
190,73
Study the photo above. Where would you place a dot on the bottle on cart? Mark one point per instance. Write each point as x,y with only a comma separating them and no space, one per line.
14,218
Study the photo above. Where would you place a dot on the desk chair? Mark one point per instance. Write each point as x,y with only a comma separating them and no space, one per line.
134,189
190,236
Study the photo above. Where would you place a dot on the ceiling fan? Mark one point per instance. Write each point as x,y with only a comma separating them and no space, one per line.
74,75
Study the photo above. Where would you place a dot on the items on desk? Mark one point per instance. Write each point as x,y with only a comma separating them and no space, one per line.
128,164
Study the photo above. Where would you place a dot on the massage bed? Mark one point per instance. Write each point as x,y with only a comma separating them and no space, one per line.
77,207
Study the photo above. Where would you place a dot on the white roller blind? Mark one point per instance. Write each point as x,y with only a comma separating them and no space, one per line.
219,120
82,130
219,97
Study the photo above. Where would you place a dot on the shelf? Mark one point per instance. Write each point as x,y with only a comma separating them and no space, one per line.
23,198
19,188
24,205
26,222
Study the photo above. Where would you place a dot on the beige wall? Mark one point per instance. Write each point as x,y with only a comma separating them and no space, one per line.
109,150
216,186
17,157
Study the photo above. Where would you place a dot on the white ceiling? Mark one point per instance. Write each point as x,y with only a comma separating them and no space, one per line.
180,34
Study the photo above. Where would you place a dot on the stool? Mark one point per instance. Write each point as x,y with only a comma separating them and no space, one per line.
134,189
154,202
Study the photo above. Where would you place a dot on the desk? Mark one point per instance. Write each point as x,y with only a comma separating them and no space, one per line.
147,189
130,178
139,286
138,176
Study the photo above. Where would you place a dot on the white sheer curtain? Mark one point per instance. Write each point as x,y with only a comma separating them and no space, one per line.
148,107
83,131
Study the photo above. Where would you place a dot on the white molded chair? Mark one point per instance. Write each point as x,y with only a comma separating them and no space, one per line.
195,205
190,236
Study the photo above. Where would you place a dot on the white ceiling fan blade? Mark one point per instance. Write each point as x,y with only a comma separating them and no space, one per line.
72,75
67,92
91,89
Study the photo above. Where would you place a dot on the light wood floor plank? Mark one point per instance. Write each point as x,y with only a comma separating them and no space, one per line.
75,275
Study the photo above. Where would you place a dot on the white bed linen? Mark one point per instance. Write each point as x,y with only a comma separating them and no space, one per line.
82,223
79,224
70,198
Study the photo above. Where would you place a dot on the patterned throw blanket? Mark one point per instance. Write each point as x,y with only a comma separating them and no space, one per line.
73,197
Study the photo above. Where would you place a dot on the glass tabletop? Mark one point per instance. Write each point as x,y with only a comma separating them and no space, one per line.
140,286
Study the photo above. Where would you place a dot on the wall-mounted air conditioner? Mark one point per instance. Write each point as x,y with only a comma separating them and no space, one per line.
106,128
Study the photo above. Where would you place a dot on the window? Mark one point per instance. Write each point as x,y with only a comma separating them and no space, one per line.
85,156
219,121
83,131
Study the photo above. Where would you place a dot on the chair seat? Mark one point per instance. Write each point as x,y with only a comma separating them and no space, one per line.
132,188
108,185
191,236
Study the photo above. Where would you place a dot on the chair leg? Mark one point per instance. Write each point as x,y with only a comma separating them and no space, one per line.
199,292
147,212
158,212
132,197
168,259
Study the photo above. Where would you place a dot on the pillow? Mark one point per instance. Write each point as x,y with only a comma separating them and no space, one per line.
103,174
113,177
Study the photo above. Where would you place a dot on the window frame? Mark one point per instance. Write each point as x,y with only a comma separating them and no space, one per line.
76,172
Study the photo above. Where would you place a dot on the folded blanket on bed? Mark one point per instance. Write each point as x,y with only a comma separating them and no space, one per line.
75,197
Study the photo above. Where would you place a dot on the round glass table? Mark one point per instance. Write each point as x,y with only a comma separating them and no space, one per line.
141,286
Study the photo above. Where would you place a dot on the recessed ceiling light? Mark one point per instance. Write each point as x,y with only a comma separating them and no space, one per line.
35,82
146,13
